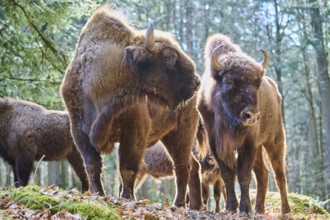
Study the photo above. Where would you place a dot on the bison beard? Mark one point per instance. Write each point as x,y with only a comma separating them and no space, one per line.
132,87
241,109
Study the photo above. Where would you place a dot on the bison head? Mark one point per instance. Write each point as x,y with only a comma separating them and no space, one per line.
238,79
162,70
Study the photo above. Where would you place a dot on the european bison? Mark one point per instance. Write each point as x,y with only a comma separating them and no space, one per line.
28,132
132,87
242,112
211,175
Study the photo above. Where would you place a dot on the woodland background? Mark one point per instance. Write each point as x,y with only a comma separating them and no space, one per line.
38,39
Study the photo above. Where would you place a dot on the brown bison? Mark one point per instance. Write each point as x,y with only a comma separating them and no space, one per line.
29,132
132,87
241,109
211,175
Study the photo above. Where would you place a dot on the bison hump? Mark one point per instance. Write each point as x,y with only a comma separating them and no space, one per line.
106,23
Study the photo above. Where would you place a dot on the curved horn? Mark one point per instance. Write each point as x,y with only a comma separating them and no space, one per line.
150,40
265,60
214,62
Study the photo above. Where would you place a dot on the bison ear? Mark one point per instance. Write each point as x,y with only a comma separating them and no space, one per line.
135,55
214,59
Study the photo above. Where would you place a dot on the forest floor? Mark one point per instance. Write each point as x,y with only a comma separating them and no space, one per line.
34,202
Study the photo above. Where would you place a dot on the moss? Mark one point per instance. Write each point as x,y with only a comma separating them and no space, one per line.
91,210
33,199
301,205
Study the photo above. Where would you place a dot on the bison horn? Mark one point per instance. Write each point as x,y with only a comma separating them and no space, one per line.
150,40
214,59
265,61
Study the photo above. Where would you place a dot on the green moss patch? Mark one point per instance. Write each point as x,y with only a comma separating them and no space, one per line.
32,197
301,205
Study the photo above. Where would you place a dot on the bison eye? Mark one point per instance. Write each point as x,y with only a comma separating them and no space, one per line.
169,56
228,84
170,60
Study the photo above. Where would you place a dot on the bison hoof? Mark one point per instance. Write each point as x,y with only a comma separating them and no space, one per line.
285,210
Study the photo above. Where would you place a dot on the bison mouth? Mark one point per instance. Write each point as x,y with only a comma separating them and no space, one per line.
155,96
172,102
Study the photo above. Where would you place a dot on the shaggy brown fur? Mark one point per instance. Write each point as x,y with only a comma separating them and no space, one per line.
28,131
242,112
132,87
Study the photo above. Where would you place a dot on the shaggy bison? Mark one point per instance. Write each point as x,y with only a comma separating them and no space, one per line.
28,132
242,113
132,87
211,175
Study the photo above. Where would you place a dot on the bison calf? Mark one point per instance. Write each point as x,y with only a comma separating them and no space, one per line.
241,109
28,132
211,175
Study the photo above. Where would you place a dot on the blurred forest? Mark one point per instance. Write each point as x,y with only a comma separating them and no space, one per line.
38,38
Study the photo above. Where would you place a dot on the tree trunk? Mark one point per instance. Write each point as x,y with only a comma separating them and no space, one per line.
324,83
8,176
64,174
189,38
54,173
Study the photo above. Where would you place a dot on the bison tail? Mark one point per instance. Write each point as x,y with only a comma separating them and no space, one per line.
202,139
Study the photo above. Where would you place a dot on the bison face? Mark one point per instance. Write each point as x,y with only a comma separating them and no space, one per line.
162,71
207,163
238,79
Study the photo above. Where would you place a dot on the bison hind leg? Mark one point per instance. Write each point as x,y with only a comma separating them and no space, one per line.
276,155
261,173
77,164
92,160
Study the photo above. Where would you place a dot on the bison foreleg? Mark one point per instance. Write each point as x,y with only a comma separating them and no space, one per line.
217,195
205,193
228,176
181,156
130,157
245,162
23,169
132,146
195,190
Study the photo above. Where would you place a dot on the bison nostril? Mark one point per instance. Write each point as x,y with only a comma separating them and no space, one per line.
248,116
